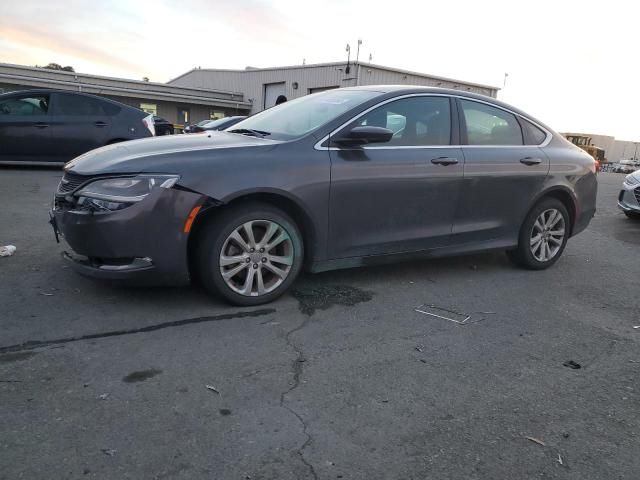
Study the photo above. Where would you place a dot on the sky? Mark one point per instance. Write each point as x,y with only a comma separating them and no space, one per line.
572,64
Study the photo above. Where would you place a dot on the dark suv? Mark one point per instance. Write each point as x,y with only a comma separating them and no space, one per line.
56,126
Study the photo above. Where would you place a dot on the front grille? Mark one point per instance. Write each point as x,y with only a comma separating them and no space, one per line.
71,181
636,192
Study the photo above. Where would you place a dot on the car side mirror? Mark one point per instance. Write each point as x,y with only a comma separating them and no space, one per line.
364,135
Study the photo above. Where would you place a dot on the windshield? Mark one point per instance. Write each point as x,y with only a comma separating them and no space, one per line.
298,117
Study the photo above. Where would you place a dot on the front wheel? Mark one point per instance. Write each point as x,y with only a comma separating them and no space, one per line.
632,215
543,235
250,254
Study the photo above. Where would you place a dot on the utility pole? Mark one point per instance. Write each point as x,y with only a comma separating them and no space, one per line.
357,63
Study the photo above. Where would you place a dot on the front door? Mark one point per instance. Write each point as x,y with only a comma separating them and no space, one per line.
503,172
184,116
80,124
273,91
398,196
25,128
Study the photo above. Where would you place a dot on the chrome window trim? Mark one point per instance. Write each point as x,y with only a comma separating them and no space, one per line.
547,140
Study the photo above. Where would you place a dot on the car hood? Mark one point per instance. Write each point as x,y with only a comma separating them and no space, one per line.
635,175
160,154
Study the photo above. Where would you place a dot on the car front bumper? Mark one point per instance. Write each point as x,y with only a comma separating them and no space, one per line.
142,244
629,198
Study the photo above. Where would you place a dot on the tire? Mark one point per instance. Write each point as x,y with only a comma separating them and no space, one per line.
526,254
219,238
632,215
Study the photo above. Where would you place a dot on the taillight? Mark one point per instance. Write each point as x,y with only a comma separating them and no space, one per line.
148,122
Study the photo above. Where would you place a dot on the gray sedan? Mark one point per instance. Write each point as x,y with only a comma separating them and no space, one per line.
343,178
629,198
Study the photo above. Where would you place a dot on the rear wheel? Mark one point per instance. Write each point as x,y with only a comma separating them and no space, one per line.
543,235
250,254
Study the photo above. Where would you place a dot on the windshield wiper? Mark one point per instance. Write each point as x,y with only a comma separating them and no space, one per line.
250,132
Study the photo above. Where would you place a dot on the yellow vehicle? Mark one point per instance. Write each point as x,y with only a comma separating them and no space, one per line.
584,142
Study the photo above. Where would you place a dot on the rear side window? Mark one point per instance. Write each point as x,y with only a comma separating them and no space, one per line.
532,134
487,125
414,121
27,105
78,105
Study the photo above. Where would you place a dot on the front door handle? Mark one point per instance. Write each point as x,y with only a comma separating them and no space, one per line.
41,125
531,161
444,161
100,124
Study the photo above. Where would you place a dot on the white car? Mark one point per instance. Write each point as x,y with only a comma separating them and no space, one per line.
627,166
629,198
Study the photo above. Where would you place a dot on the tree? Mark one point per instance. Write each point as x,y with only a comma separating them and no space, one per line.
57,66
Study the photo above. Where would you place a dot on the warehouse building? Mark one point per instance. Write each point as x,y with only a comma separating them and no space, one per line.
614,149
177,104
263,86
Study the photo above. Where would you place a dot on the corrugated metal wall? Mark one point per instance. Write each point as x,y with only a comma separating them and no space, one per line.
252,82
370,75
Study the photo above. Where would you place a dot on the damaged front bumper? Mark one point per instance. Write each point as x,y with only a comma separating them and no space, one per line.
145,243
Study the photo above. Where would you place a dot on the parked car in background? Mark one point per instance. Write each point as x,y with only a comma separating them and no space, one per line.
192,128
218,124
56,126
627,166
222,123
163,127
629,198
323,181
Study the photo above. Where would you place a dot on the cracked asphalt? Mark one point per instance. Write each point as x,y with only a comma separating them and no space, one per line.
342,378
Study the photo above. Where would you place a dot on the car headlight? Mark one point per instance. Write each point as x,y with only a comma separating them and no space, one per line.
631,180
120,192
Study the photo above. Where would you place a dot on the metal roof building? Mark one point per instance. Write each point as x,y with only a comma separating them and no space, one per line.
178,104
262,86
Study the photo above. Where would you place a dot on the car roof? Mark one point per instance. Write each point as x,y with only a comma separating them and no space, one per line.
36,91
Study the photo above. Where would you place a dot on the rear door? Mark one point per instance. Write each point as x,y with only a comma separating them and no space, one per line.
399,196
503,172
80,124
25,128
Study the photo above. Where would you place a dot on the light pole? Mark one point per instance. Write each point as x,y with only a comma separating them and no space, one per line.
635,157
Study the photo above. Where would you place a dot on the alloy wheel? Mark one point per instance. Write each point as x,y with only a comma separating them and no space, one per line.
547,235
256,258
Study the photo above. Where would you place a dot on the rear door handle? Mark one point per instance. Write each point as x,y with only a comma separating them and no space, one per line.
444,161
100,124
531,161
41,125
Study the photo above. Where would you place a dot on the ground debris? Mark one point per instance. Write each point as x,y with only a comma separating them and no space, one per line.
571,364
536,440
213,389
7,250
560,459
46,294
104,396
108,451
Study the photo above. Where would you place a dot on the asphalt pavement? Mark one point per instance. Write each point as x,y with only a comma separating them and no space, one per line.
342,378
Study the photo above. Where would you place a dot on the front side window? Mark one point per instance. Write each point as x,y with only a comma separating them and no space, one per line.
296,118
25,106
487,125
78,105
216,114
414,121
